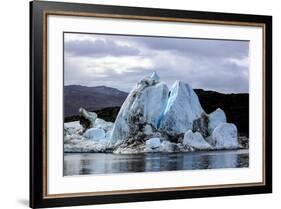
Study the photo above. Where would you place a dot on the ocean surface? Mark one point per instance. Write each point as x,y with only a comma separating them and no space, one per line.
107,163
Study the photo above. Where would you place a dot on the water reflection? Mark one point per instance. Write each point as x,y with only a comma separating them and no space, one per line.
104,163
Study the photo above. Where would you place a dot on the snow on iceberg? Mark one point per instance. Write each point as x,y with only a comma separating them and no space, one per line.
144,105
182,108
224,136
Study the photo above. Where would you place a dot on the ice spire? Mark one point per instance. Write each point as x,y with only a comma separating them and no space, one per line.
155,77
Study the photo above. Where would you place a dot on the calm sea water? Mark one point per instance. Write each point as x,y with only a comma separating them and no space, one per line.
105,163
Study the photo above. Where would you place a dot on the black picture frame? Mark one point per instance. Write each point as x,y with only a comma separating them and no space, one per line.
38,88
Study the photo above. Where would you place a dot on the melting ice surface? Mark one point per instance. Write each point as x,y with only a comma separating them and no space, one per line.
106,163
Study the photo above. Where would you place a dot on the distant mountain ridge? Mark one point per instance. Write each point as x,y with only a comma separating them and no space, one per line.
105,100
93,98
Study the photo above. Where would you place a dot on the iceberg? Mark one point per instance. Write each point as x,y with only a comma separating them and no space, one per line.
153,143
182,108
201,125
84,146
208,122
89,118
167,146
75,125
155,77
144,105
224,136
72,128
102,124
153,119
215,118
95,134
148,130
196,141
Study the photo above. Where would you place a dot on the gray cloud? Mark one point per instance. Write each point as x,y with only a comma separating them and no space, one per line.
197,47
218,65
98,47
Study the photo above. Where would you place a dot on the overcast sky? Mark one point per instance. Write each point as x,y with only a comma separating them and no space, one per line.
121,61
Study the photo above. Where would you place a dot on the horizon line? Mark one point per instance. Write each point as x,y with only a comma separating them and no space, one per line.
129,92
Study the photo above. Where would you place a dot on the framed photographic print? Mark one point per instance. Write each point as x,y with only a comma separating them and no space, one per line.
139,104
